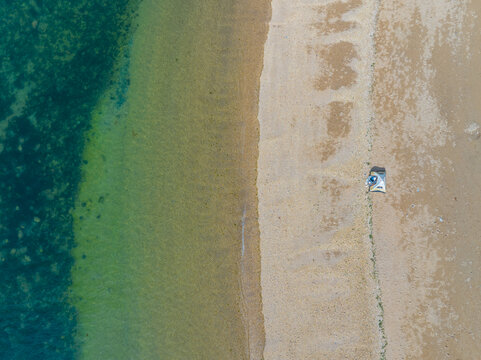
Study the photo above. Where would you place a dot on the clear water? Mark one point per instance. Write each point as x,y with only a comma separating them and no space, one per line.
56,59
121,189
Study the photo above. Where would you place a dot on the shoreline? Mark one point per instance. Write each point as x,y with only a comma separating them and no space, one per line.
172,175
253,22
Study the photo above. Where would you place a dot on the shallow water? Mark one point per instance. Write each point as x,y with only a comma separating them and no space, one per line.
167,243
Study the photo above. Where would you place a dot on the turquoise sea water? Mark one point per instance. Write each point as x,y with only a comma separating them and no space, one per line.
56,58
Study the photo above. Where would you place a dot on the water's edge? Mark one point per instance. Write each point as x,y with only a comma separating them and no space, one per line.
159,217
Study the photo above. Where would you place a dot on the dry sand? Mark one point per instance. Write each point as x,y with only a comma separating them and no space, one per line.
319,295
347,85
427,228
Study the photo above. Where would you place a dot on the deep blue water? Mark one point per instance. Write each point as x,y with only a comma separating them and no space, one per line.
56,58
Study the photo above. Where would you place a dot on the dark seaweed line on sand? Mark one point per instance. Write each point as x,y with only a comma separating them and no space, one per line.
57,58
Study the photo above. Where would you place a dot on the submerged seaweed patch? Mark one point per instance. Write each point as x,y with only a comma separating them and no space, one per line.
57,57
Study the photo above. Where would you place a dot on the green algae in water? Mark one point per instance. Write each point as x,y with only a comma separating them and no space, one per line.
157,274
57,57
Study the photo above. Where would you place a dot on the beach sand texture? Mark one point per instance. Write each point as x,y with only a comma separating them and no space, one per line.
319,295
427,229
346,86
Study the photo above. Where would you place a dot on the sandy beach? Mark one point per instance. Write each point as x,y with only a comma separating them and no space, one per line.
427,227
345,274
318,289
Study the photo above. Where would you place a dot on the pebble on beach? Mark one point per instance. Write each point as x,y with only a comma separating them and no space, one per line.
473,130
